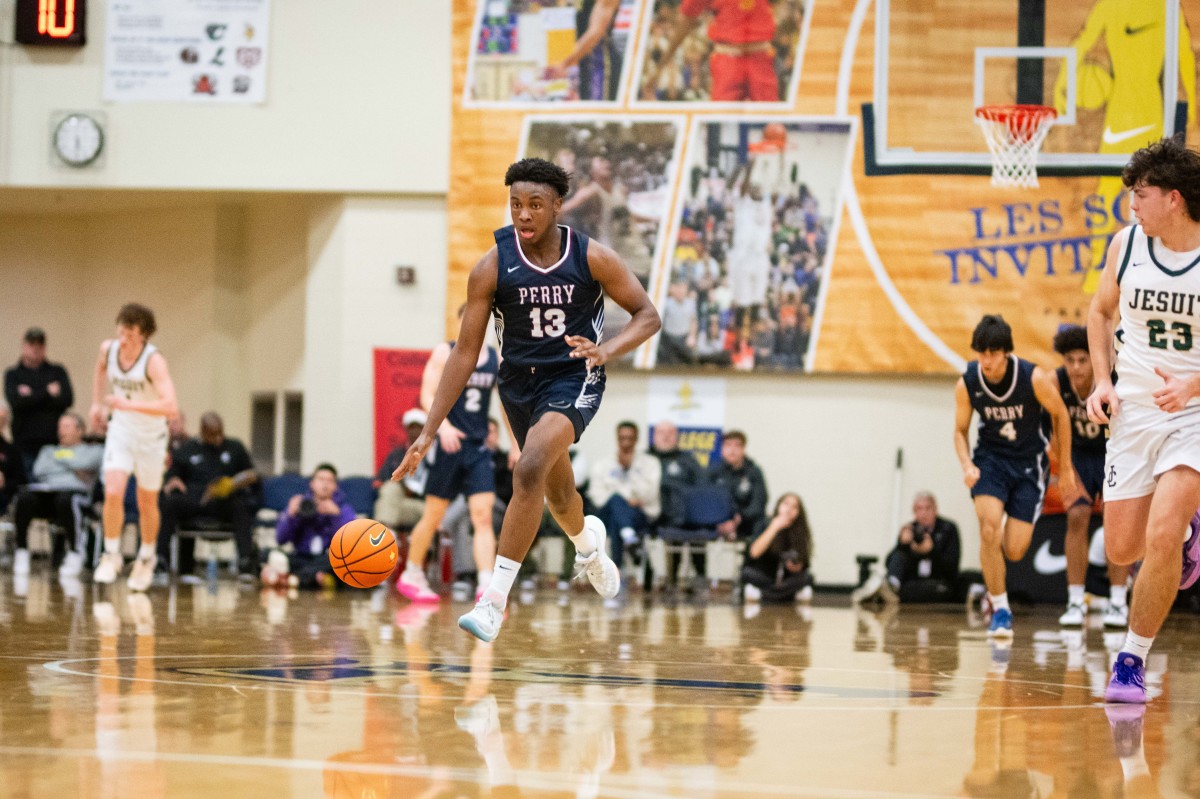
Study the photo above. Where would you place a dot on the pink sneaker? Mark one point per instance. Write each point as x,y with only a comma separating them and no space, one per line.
1191,554
416,588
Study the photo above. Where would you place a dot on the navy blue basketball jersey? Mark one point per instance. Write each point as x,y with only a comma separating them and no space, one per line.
470,411
1087,437
1010,416
535,308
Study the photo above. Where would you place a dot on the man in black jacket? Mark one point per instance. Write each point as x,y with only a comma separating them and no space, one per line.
680,472
746,485
210,477
924,563
39,392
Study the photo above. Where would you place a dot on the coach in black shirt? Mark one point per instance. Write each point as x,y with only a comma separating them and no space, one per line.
210,477
39,392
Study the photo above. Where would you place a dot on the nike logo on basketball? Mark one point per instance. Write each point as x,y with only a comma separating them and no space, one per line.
377,539
1045,563
1116,138
1135,31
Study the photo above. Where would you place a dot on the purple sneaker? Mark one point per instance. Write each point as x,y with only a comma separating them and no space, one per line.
1128,684
1191,554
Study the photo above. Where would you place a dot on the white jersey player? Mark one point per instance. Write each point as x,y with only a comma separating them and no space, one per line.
749,260
1151,283
132,383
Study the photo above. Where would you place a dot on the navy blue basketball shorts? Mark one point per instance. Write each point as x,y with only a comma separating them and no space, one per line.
1019,483
1090,469
528,393
469,471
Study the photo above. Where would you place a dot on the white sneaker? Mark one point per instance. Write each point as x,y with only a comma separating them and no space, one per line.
751,593
72,565
869,589
142,573
483,621
1116,615
110,566
598,566
21,561
1074,617
805,594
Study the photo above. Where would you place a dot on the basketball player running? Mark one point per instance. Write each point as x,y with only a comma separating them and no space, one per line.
749,260
142,398
545,285
1074,382
1007,472
1152,470
460,463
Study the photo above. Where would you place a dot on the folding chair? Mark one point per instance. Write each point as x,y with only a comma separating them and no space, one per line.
705,507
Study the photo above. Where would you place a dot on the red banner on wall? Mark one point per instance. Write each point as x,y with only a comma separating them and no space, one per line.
397,389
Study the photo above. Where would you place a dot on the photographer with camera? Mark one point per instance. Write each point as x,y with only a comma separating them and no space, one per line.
923,567
308,525
778,561
210,477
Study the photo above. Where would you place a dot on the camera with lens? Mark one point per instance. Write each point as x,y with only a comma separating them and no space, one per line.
307,509
792,558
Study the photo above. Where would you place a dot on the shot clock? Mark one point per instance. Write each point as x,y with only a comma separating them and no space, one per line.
51,22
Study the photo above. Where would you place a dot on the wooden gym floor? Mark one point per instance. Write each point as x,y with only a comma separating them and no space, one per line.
196,692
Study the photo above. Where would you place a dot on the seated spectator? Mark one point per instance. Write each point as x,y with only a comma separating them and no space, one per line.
746,485
923,566
680,472
626,490
778,562
400,505
177,431
308,524
12,465
210,477
64,476
680,320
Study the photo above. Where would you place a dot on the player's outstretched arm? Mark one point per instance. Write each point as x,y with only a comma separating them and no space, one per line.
620,284
962,441
460,363
1045,388
1102,403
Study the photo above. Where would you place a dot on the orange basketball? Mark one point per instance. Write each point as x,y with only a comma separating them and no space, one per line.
775,132
363,553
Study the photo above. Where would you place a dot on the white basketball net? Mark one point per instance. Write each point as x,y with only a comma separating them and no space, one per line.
1014,134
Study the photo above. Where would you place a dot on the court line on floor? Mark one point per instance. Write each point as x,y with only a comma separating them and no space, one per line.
540,780
59,668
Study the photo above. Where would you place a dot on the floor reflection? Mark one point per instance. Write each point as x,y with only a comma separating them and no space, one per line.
219,689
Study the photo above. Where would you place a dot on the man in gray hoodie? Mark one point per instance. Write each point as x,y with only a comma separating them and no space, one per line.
62,480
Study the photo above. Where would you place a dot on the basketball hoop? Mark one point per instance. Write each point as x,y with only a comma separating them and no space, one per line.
1014,134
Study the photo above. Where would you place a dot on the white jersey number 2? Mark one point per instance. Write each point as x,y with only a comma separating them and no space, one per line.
555,322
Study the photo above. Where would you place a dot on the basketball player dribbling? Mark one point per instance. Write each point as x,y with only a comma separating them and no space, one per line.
460,463
1007,471
132,383
544,284
1151,283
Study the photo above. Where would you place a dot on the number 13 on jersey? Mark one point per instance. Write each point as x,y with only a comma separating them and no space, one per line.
553,322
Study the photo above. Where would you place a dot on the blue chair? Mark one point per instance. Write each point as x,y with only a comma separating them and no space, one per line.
705,507
276,491
360,492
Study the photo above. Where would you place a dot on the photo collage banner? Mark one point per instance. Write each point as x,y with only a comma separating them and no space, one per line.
722,149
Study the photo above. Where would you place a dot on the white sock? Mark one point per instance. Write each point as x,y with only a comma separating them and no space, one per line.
147,551
502,581
1074,594
1116,595
585,542
112,546
999,601
1137,645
